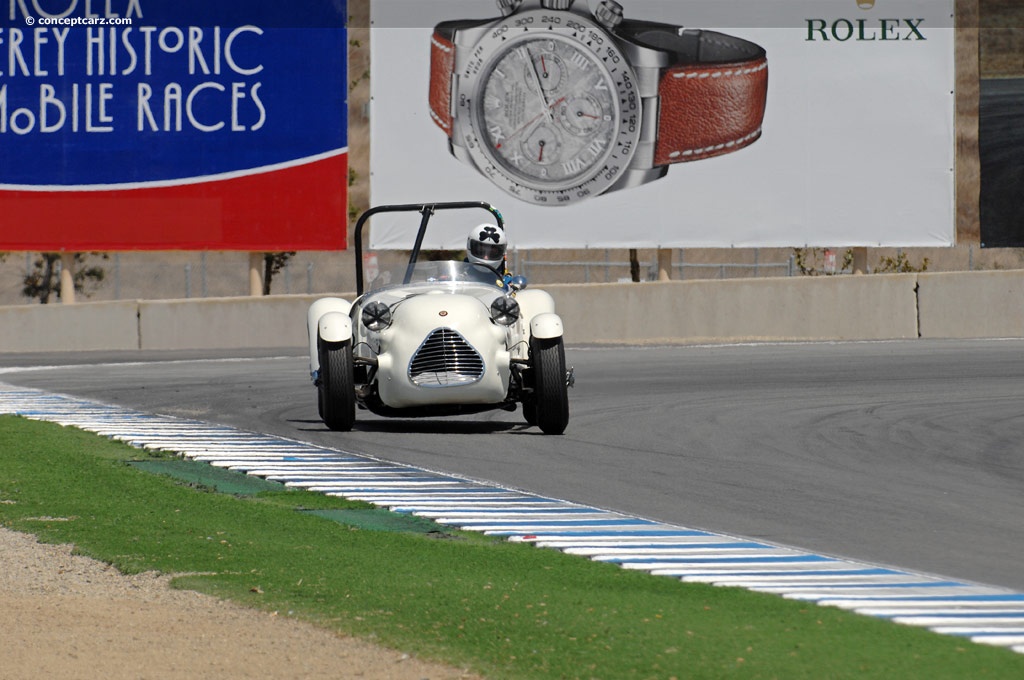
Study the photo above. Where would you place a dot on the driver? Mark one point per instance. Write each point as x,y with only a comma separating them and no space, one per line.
486,245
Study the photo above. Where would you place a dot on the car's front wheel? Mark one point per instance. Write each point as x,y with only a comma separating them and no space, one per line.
550,390
337,392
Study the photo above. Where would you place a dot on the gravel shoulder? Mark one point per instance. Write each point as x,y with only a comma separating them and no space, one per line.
71,617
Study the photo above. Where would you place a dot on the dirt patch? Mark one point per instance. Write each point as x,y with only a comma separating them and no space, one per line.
68,616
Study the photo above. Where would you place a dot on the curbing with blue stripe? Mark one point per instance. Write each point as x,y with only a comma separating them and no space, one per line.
983,614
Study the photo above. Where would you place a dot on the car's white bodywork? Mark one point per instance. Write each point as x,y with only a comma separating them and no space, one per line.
448,337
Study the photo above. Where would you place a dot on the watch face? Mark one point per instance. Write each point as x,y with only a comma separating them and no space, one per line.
548,108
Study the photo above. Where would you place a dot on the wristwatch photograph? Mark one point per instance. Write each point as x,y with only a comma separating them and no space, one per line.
556,104
646,122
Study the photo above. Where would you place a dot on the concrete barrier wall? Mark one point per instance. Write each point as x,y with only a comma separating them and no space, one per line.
224,323
62,328
828,308
989,304
898,306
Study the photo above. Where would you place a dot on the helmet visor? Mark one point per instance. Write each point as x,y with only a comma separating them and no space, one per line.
491,252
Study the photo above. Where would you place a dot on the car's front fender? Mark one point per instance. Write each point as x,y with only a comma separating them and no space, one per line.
317,311
546,326
533,302
334,327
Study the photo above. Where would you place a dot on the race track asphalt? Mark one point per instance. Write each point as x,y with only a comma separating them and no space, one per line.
906,454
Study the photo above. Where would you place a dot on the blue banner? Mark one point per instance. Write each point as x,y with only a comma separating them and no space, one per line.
111,92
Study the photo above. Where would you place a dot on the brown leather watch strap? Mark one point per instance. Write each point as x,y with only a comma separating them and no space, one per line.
711,95
711,99
710,110
442,61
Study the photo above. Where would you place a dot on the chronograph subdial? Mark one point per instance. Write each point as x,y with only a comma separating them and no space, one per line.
582,114
542,145
548,68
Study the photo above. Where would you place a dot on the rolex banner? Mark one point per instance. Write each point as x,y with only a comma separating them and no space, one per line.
184,124
669,123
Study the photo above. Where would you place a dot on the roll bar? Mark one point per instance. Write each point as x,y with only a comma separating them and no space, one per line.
426,211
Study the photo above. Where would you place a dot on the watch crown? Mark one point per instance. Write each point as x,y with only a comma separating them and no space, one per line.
608,14
508,6
556,4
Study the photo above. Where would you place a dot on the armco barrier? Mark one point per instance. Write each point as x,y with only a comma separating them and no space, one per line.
896,306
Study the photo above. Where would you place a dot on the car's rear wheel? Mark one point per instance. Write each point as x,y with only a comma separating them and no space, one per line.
550,391
337,393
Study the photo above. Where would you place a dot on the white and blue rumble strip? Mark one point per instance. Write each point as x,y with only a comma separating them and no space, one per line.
980,613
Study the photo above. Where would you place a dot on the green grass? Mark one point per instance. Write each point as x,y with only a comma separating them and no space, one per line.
506,610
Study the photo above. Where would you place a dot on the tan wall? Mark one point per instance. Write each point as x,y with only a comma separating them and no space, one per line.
989,304
895,306
61,328
224,323
823,308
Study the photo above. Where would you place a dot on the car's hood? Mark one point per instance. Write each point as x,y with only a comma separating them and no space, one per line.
420,314
403,294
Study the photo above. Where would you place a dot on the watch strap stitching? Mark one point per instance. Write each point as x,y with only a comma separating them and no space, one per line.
688,154
444,46
720,74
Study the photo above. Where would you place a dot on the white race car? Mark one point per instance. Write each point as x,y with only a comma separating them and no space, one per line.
439,338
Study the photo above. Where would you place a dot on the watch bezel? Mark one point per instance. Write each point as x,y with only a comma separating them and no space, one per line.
491,46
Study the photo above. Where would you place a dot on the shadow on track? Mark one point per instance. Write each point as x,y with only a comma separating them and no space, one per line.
416,426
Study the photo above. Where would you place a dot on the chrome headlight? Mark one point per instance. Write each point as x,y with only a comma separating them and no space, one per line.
505,310
376,316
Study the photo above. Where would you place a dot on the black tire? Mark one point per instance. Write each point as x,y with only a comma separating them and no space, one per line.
337,391
550,392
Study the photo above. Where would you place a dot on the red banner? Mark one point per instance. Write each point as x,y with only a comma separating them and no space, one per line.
297,208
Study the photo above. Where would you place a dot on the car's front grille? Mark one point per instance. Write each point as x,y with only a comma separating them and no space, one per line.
445,359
